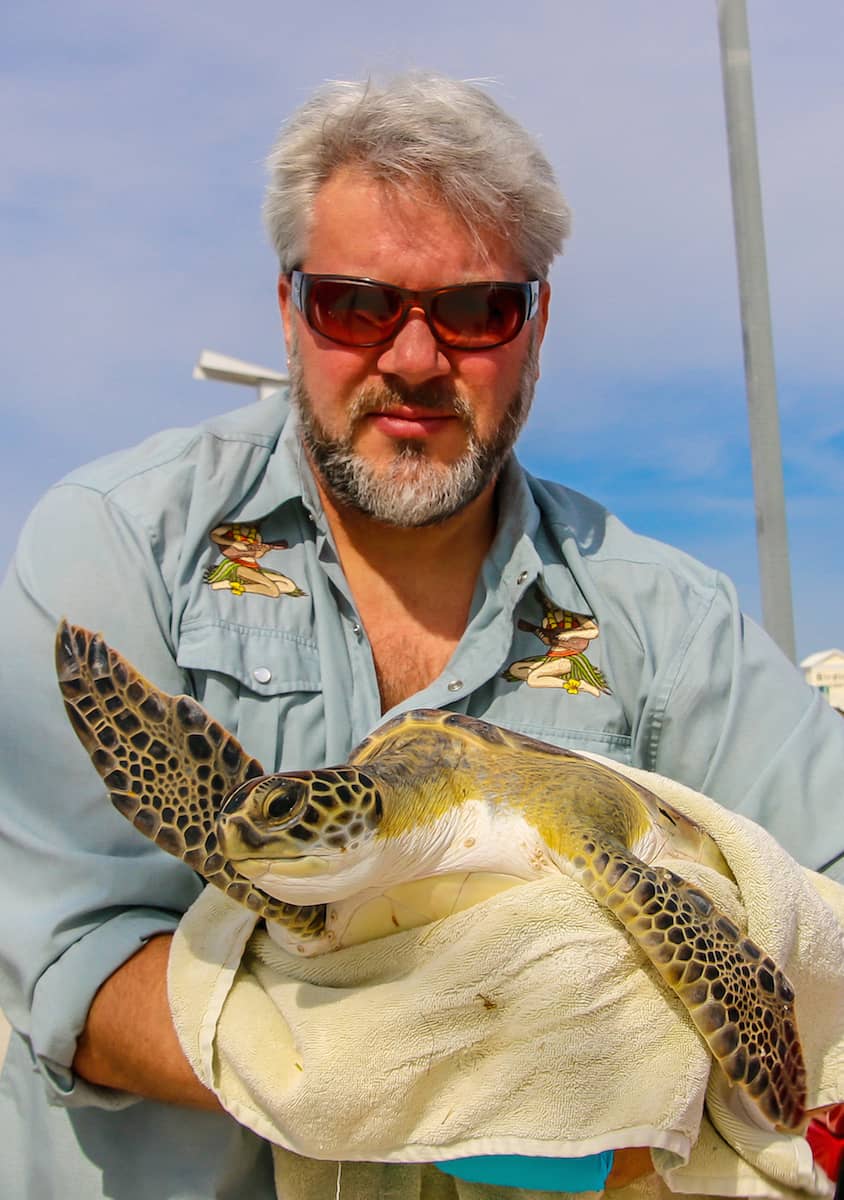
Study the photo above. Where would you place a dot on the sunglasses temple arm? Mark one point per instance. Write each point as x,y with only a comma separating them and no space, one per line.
297,281
533,302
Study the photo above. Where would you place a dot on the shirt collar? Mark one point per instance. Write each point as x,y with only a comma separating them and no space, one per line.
532,546
286,475
513,559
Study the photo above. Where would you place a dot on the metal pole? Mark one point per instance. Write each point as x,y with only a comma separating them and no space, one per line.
765,450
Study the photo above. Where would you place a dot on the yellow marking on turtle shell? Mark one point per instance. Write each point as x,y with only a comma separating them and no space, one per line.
432,765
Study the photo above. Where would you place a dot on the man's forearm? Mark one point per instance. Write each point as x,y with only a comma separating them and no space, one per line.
129,1041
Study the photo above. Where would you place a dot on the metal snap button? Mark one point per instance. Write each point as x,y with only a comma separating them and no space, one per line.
262,674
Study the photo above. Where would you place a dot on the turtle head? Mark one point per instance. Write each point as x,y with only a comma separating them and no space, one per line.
303,836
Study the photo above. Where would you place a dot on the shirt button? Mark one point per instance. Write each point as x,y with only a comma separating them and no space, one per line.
522,577
262,674
356,629
455,685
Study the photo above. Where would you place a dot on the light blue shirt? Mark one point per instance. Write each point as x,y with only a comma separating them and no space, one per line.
648,656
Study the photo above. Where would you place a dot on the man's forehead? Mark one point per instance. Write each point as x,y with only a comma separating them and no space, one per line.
405,202
356,209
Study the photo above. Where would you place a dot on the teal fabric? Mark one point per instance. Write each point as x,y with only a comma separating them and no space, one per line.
587,1174
692,690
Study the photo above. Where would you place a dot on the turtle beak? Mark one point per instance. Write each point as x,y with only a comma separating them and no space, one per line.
270,873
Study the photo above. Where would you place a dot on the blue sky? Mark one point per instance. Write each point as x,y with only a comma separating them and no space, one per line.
133,143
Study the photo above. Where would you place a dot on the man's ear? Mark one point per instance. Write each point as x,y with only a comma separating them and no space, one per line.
285,305
544,307
542,318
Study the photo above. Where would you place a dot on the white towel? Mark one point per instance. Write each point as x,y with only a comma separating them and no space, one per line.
528,1024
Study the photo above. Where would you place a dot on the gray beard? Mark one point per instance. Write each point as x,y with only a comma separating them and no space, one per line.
410,491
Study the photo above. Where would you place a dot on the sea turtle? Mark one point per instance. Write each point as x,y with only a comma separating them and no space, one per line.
432,799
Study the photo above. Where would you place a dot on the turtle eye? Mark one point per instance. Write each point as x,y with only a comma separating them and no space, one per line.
285,800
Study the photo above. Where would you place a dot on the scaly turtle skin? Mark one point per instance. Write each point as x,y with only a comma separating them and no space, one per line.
432,804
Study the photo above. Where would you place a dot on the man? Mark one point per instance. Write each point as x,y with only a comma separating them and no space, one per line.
425,568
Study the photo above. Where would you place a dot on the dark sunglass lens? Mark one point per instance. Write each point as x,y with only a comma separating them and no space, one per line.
356,314
478,315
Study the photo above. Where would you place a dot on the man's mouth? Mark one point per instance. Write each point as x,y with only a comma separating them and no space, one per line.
407,421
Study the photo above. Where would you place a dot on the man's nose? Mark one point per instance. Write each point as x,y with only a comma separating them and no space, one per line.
414,354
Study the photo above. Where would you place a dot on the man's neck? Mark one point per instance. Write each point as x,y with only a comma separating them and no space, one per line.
412,588
399,555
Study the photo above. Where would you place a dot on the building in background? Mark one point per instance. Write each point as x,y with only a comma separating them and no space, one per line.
825,671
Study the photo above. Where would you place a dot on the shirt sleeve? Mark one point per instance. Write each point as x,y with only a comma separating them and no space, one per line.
80,889
733,717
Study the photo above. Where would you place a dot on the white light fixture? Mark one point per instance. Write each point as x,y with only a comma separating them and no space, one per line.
211,365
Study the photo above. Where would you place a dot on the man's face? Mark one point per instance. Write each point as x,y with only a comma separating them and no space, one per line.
411,431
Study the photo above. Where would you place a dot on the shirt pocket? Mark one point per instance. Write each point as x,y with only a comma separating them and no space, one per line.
593,724
263,684
594,741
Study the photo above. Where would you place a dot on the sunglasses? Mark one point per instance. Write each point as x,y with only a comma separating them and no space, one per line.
363,312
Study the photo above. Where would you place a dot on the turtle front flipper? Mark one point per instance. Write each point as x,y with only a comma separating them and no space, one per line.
168,767
736,995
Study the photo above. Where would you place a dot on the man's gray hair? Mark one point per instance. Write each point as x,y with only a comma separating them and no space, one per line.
420,130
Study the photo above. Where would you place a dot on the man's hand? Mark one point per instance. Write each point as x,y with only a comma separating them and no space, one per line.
628,1165
129,1041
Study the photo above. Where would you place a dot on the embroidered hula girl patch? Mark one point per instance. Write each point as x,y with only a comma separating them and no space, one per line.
564,664
239,570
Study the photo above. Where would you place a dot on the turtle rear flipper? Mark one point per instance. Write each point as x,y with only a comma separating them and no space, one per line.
738,998
167,764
